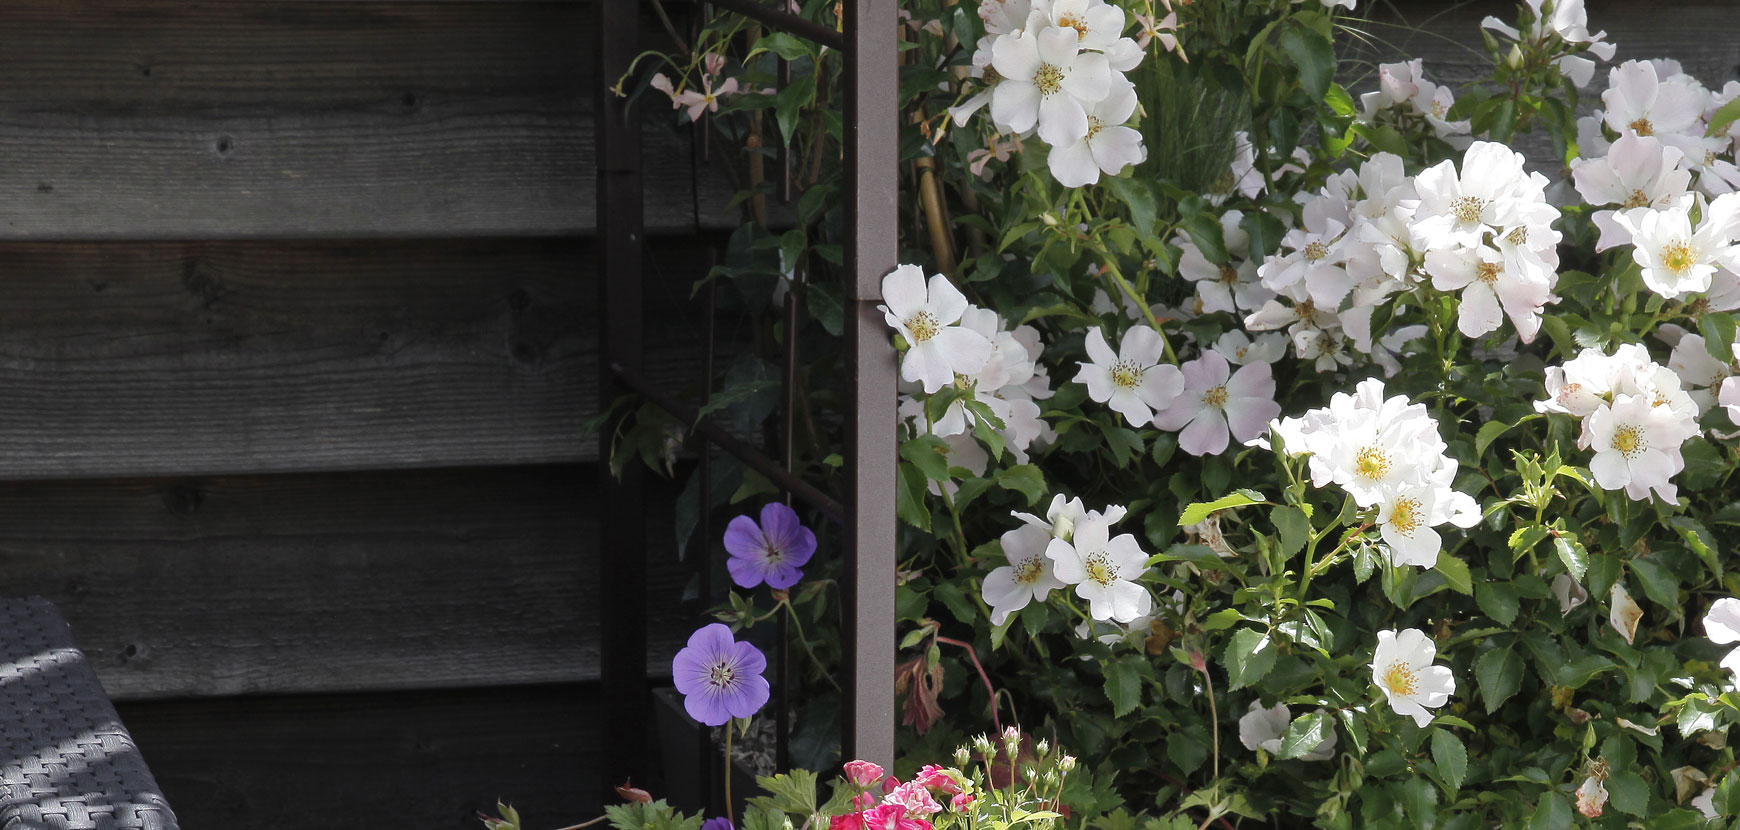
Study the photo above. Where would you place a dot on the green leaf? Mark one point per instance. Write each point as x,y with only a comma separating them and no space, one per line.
1628,792
1124,685
1573,554
1198,511
791,101
1553,813
1718,331
1490,431
1728,114
1498,600
1265,232
1222,620
793,793
1583,669
929,454
1138,199
1727,800
909,497
1700,541
1419,800
1659,583
1204,229
1451,757
1499,673
1304,734
1249,656
1455,573
985,430
1313,55
1295,529
1025,479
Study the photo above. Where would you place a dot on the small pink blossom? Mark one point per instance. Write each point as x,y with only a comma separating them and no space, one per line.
706,100
714,63
961,802
1161,29
885,817
1000,150
863,773
915,798
937,778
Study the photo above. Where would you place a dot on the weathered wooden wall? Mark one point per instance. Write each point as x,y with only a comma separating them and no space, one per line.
295,345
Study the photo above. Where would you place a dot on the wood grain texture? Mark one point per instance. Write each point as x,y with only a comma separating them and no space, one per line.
427,760
147,359
141,119
320,583
1447,35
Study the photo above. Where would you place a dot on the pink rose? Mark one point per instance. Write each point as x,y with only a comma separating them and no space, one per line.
863,773
914,797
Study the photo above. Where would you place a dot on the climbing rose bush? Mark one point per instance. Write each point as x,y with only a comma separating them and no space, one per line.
1302,445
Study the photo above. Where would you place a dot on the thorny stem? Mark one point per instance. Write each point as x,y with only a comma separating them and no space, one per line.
989,689
1111,269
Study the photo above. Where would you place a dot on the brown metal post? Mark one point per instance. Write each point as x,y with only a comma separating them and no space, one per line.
621,599
872,187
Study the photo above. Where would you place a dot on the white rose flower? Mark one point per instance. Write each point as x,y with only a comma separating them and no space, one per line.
1239,348
1027,577
1103,569
1048,81
1132,382
1722,626
1108,146
1640,101
1637,446
1262,729
1217,402
938,349
1402,668
1490,290
1638,174
1676,258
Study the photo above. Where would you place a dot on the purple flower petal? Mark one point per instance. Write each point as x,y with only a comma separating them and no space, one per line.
752,694
800,547
743,537
779,522
712,640
689,670
746,571
782,576
707,707
746,659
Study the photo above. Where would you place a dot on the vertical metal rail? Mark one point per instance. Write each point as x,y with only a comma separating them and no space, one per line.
870,81
624,702
872,121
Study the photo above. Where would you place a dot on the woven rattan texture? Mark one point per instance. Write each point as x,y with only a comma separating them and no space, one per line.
66,762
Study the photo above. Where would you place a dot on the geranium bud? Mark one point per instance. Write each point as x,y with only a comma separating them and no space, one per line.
632,794
962,756
1067,763
863,773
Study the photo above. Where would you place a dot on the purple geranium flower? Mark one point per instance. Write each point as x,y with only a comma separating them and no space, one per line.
770,552
719,823
719,677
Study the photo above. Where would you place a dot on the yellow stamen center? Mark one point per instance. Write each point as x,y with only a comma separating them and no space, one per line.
1100,570
1049,79
1628,440
1487,272
1642,127
1028,571
1094,127
1215,397
1316,251
1075,22
1678,257
1405,516
1229,274
1468,208
1400,679
1371,463
923,326
1126,374
1518,235
1637,199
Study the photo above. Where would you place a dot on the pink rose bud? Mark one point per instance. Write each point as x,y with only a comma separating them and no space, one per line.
863,801
961,801
863,773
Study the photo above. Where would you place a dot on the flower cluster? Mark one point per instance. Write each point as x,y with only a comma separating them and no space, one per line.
1056,68
1634,416
1566,23
1205,401
1404,95
1071,545
1387,455
1657,99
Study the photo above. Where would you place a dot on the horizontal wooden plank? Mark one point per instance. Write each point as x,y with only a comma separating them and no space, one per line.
150,359
319,583
428,760
141,119
1447,36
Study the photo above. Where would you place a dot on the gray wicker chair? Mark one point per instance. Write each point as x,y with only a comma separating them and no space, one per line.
66,762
